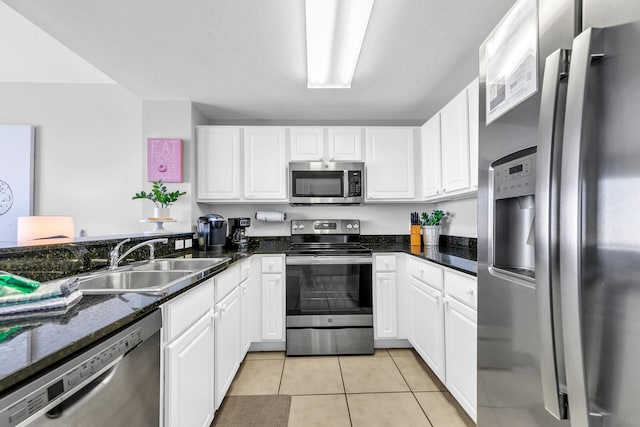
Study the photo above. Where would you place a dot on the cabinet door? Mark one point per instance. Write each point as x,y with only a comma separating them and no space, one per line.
427,325
307,143
345,144
265,166
455,144
390,159
273,307
461,325
430,156
189,388
218,158
385,311
227,343
474,128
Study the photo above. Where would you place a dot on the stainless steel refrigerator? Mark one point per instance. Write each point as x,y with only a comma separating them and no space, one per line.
559,224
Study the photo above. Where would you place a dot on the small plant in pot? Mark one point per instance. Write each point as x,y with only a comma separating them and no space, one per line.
161,197
431,227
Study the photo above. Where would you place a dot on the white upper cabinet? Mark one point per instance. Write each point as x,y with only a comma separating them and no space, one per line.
449,159
389,166
307,143
455,144
474,124
218,162
345,144
265,165
431,166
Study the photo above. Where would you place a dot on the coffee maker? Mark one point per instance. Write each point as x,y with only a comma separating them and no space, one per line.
238,233
212,232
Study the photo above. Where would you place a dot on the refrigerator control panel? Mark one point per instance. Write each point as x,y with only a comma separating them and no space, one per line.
514,178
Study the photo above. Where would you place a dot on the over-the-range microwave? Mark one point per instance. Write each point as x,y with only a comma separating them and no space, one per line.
320,183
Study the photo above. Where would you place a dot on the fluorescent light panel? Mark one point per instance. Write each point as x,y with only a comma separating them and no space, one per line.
335,31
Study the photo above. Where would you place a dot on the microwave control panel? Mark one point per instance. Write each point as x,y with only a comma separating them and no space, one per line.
515,178
355,183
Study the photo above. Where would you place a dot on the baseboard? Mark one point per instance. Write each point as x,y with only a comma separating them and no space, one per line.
392,343
268,346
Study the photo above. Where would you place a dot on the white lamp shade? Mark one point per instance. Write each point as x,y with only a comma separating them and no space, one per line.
43,227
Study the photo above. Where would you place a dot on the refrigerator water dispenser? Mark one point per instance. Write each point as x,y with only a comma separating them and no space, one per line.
512,184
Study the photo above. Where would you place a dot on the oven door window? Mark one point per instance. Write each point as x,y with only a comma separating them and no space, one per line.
318,184
329,289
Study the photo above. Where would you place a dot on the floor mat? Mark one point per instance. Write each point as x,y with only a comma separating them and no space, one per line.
250,411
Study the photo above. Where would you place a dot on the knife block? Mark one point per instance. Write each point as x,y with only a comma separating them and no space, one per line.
415,235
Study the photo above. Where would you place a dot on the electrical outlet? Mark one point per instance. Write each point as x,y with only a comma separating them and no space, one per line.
179,244
188,243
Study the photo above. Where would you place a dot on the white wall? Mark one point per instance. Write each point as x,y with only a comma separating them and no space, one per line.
463,217
88,155
170,119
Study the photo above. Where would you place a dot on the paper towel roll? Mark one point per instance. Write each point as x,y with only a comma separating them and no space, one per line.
271,216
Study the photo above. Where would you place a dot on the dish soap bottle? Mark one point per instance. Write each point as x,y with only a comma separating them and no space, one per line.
18,283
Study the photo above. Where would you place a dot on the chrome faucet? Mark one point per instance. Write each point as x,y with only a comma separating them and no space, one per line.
115,257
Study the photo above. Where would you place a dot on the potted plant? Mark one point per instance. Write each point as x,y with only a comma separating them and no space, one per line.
431,227
161,197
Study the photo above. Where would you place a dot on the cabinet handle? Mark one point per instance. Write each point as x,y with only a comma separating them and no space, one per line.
437,299
215,315
444,190
446,303
223,309
469,291
421,273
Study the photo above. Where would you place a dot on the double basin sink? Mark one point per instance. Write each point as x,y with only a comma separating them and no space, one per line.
158,277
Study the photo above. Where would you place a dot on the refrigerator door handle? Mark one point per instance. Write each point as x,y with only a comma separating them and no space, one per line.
586,47
546,239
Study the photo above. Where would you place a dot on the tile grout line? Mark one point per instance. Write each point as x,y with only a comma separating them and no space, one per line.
345,392
284,362
411,390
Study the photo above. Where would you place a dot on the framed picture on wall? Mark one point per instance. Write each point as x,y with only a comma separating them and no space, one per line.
16,177
164,159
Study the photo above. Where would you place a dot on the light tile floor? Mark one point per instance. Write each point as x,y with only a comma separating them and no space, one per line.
390,388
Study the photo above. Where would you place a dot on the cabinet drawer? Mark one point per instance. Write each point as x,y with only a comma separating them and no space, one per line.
461,287
385,263
182,312
272,264
227,281
425,272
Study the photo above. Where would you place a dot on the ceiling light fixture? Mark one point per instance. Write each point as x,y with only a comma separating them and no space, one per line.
335,31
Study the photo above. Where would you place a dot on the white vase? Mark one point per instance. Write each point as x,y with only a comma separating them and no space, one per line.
162,213
431,235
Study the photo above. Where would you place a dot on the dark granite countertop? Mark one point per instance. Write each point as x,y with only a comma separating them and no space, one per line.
36,344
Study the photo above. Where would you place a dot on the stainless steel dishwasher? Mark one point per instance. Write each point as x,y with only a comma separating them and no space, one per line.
114,383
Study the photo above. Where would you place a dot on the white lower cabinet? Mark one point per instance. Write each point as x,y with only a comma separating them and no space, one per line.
427,325
444,326
248,294
188,334
227,346
273,298
461,326
190,376
385,297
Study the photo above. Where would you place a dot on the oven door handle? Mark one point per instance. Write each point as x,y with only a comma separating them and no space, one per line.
316,260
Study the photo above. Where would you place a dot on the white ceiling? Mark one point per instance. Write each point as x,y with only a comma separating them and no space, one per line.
244,60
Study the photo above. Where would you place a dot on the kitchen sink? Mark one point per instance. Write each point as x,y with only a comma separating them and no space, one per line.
155,282
151,277
188,264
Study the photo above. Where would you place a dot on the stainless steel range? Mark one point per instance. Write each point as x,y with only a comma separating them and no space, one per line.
329,289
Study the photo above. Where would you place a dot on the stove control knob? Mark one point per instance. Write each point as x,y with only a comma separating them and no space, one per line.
349,226
301,227
355,226
295,226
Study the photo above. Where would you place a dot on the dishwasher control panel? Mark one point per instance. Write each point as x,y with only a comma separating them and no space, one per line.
50,394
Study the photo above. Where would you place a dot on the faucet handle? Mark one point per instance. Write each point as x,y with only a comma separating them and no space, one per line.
116,250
